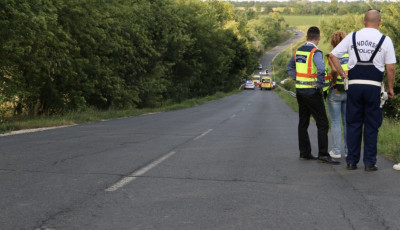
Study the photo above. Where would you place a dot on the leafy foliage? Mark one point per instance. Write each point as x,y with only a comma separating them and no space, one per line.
390,26
292,7
60,56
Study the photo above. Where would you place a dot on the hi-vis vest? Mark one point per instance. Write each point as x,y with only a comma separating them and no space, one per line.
306,71
328,74
343,62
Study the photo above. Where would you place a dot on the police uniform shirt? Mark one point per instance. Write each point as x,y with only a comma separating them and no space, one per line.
318,62
366,40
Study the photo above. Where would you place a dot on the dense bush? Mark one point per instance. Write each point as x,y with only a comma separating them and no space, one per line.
64,55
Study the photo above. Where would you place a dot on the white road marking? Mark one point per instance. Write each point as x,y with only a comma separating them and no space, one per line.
203,134
33,130
233,116
126,180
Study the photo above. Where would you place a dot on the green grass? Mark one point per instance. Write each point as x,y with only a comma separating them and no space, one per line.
93,115
289,99
303,22
388,139
300,21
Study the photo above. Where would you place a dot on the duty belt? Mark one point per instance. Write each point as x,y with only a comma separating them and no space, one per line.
365,82
306,82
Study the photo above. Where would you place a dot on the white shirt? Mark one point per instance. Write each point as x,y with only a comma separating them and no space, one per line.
366,40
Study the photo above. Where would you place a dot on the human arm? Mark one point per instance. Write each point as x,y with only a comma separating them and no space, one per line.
390,73
335,63
319,63
291,68
390,61
334,73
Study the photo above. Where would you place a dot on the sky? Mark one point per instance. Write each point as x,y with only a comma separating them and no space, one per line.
288,0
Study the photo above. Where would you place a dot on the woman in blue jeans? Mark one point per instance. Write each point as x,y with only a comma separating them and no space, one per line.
337,102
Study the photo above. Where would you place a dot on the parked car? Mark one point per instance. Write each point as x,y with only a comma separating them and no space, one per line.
260,66
249,85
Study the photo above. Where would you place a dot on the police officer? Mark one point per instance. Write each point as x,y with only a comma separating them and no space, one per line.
307,68
369,52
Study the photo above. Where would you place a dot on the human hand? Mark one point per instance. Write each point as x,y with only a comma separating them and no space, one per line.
333,84
390,92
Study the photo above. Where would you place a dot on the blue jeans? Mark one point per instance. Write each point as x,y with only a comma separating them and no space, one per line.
337,109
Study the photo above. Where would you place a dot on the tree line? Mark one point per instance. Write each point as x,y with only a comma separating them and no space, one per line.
69,55
293,7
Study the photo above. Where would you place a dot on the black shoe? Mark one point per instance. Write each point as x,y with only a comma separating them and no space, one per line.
351,167
309,157
370,169
328,159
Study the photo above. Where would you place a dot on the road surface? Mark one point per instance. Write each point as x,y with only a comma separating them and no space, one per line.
228,164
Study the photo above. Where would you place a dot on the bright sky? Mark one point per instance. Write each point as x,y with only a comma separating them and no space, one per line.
288,0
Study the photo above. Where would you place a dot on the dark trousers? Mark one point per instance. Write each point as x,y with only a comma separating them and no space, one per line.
363,113
312,105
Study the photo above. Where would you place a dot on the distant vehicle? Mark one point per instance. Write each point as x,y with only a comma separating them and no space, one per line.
266,83
256,80
249,85
260,66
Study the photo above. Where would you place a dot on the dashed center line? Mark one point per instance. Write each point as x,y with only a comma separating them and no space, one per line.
202,135
126,180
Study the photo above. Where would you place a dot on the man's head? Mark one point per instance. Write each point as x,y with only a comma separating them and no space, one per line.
313,35
372,19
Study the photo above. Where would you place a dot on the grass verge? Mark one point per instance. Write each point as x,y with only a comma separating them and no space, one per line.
93,115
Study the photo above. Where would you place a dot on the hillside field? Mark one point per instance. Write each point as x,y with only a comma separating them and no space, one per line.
304,20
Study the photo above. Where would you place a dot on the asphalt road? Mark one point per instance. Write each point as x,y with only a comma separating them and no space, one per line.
228,164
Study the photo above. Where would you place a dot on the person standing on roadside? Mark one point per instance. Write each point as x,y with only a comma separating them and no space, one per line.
307,68
369,51
337,98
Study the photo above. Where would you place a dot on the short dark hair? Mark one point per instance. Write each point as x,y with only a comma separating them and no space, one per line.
313,33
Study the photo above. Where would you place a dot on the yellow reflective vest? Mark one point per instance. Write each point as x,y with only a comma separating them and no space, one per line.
343,62
328,74
306,71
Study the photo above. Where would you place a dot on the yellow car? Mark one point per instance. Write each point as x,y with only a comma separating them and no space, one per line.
266,83
256,80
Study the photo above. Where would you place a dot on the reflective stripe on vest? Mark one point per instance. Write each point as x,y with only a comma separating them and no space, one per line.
306,71
328,77
343,62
